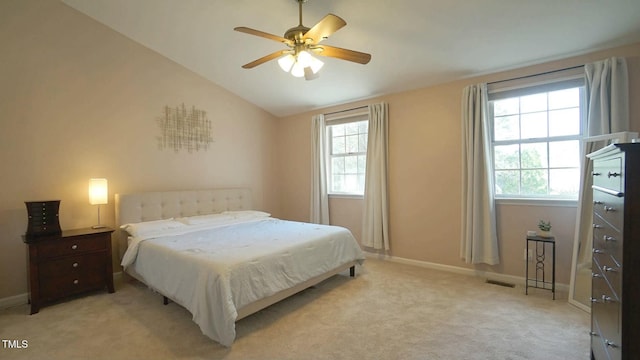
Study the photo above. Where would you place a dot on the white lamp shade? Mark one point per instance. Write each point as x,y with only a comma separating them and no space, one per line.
286,62
98,191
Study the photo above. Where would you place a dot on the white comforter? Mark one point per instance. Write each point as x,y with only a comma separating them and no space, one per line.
213,270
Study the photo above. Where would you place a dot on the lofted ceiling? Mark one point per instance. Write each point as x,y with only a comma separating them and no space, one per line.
413,43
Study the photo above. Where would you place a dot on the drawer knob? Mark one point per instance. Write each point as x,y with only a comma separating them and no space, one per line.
596,275
608,238
74,246
596,174
597,251
610,343
594,300
596,202
75,282
593,333
596,226
607,299
608,269
609,209
75,264
613,174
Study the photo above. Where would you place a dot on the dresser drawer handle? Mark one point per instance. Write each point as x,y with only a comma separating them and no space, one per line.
596,275
75,265
75,282
596,174
607,299
609,209
596,226
593,333
594,300
597,251
608,269
74,246
613,174
610,343
608,238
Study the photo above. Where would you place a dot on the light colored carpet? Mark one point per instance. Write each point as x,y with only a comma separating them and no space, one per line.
389,311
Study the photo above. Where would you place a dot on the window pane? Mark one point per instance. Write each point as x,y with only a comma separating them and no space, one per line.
351,165
362,164
337,183
362,143
534,125
564,181
361,184
363,127
508,182
352,143
506,128
564,99
507,157
350,183
532,103
337,130
534,182
506,107
351,128
337,165
338,145
564,122
534,156
564,154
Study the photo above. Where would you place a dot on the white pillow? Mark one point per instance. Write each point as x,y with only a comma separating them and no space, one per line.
150,227
241,214
204,219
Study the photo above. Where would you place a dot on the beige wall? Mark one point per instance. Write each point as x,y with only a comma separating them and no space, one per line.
425,174
78,100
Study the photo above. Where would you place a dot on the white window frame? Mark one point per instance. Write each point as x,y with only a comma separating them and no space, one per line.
548,82
341,119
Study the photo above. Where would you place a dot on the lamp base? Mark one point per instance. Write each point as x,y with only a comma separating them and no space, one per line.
98,227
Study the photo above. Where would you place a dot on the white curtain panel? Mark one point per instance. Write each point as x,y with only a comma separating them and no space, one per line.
607,96
375,220
607,90
319,198
479,242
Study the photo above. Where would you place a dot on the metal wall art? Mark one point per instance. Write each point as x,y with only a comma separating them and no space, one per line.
184,129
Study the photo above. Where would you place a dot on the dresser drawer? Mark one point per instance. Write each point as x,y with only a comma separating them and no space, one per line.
605,269
606,310
607,238
608,174
609,207
73,265
70,283
71,246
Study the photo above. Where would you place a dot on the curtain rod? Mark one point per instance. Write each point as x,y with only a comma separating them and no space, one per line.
341,111
534,75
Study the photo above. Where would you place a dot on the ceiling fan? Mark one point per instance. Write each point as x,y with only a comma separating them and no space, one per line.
303,42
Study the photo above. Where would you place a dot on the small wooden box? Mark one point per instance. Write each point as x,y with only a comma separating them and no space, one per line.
43,218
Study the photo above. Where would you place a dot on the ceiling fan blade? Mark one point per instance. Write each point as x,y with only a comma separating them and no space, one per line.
324,28
264,59
344,54
263,34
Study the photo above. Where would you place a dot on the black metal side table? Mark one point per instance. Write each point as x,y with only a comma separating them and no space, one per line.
539,281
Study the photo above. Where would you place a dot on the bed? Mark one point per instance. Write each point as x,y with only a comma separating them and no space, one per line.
210,252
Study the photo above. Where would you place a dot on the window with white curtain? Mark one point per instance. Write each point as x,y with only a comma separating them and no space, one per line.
347,154
536,131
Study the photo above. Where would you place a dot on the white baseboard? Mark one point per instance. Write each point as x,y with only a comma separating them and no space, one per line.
512,279
12,301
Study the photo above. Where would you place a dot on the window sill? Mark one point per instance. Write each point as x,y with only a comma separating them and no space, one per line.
537,202
346,196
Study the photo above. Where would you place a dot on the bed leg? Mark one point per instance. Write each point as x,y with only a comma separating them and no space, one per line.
165,300
352,271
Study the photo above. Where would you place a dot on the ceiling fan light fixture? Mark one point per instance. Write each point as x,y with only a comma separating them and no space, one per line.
286,62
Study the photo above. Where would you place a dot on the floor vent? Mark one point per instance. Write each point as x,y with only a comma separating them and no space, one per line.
501,283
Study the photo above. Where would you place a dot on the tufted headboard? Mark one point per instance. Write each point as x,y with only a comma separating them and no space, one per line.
148,206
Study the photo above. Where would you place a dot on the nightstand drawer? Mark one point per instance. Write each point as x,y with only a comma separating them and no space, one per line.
72,265
61,286
71,246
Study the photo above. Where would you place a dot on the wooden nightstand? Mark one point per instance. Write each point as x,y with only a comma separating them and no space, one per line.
69,263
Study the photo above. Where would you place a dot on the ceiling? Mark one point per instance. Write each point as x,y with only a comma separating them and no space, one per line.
413,43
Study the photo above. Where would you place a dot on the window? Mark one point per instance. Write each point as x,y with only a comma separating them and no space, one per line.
347,160
536,135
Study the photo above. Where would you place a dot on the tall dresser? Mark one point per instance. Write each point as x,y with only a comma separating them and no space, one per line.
615,297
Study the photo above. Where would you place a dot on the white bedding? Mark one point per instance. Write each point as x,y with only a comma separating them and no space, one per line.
214,269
